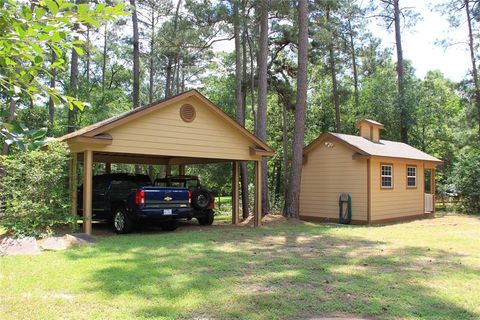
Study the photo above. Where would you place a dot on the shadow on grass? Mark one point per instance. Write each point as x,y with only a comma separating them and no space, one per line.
296,272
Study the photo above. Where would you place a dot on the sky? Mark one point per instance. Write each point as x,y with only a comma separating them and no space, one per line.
419,42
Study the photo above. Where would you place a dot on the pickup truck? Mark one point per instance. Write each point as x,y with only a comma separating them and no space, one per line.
127,199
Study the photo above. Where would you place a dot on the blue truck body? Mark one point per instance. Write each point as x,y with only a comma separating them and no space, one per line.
126,199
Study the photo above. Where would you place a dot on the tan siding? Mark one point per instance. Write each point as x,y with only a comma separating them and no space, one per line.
365,131
165,133
327,173
399,201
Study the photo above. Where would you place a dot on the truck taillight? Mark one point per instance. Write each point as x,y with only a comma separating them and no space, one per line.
189,197
140,197
212,202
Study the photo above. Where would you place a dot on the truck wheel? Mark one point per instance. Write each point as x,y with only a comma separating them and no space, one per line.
200,199
207,220
121,221
169,225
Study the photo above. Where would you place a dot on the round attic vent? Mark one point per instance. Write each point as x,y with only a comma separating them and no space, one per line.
187,113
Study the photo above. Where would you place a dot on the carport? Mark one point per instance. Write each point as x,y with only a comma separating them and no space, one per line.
182,130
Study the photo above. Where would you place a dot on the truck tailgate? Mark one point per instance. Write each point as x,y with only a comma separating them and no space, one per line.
158,197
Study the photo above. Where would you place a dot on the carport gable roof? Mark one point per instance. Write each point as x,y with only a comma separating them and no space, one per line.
96,130
366,148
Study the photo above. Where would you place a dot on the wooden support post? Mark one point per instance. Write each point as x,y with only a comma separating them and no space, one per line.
73,184
181,169
369,193
258,194
87,191
168,171
108,168
432,187
235,192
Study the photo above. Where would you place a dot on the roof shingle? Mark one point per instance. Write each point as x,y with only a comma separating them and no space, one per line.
383,148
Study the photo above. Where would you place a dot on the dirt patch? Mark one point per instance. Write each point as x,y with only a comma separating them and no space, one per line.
271,219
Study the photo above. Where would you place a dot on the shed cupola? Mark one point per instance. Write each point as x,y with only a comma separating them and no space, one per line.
369,129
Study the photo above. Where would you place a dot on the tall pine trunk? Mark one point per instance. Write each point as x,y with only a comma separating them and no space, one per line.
104,60
353,54
151,67
285,150
136,57
169,74
333,75
400,74
240,98
51,104
261,128
473,60
72,113
11,116
73,90
293,192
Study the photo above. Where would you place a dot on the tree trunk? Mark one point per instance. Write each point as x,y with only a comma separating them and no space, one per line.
240,101
151,71
354,65
400,74
252,82
474,61
104,60
53,80
73,83
11,116
87,62
169,75
278,181
177,79
263,94
333,74
293,193
285,151
73,90
136,57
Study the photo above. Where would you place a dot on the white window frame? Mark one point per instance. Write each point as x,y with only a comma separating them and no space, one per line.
414,176
386,176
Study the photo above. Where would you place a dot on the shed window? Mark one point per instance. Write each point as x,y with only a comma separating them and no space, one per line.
411,177
386,175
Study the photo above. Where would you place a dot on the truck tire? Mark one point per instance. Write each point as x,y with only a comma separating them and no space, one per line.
169,225
121,221
208,219
201,199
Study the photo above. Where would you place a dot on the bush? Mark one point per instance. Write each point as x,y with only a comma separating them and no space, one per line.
34,191
466,178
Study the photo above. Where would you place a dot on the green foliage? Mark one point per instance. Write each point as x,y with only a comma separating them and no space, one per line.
24,138
466,178
34,191
31,33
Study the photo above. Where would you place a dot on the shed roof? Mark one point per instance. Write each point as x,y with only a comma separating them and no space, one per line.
370,122
383,148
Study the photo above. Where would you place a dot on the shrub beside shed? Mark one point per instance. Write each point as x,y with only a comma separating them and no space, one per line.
387,181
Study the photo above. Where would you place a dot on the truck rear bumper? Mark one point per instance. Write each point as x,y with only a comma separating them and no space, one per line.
166,214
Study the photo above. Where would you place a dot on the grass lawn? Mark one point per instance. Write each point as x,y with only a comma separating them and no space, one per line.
426,269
